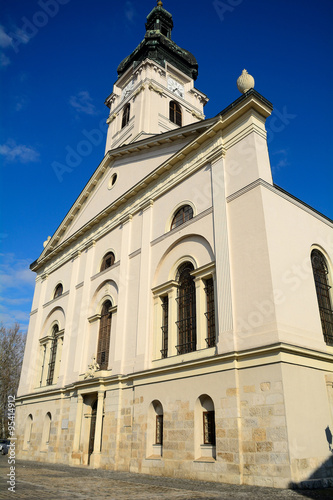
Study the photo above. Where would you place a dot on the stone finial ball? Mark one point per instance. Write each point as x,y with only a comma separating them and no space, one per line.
245,82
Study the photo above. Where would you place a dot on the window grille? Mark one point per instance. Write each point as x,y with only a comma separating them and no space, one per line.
209,427
210,314
126,115
165,326
108,261
58,291
159,429
104,336
186,310
182,215
321,278
53,355
175,114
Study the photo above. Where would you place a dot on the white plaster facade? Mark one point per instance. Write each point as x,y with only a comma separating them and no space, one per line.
267,377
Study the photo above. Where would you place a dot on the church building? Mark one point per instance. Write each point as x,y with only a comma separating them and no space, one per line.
182,319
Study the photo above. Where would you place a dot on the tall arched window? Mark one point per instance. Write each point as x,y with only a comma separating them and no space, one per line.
126,115
175,113
58,291
108,261
53,355
104,336
187,335
182,215
321,278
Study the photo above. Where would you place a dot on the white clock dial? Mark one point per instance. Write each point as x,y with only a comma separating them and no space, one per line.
127,90
176,87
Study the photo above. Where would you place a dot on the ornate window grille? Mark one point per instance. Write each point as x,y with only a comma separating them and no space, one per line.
159,429
209,427
321,278
108,261
53,355
165,326
104,336
210,314
182,215
126,115
175,113
187,335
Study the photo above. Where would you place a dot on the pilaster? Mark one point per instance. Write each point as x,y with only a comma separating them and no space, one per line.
225,338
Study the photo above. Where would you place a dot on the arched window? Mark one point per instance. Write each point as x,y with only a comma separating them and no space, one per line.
187,334
104,336
126,115
155,429
182,215
58,291
321,278
53,355
108,261
175,113
46,430
27,431
205,440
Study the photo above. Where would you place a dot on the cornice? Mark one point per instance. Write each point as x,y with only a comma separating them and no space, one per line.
282,194
208,128
278,353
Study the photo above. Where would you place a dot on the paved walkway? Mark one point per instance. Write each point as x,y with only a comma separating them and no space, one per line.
36,481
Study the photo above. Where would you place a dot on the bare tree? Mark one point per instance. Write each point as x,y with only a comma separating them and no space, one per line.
12,342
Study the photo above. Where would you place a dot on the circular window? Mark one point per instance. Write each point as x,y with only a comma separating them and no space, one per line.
112,180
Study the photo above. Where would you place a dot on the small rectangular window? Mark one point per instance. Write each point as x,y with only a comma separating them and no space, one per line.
159,429
210,314
209,427
165,326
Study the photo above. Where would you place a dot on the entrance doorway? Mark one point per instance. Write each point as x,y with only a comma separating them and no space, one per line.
92,430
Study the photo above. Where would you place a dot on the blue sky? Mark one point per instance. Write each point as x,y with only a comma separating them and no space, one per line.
58,61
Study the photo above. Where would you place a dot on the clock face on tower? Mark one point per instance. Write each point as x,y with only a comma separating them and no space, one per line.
176,87
127,90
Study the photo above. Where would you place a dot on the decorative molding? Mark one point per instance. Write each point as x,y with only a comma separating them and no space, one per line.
283,194
197,115
182,226
116,264
138,91
134,254
155,89
94,318
111,118
55,299
146,204
79,285
164,288
34,312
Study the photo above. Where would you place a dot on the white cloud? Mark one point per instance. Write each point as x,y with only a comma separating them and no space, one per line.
82,103
4,60
5,40
18,152
16,287
280,160
129,11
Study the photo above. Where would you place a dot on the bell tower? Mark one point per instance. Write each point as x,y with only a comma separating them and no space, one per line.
155,89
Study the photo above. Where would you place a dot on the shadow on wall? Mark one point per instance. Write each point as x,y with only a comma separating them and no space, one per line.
319,485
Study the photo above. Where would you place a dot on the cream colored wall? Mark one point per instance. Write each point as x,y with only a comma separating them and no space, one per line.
308,416
289,245
251,280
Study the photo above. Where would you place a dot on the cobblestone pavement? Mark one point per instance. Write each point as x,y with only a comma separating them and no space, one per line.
37,481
